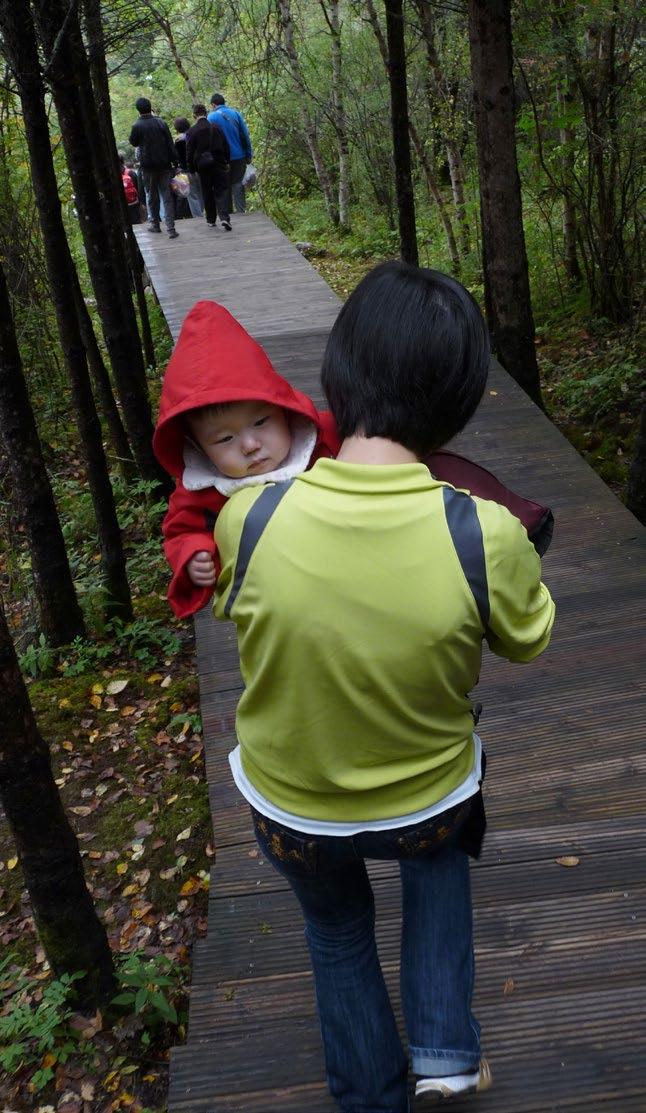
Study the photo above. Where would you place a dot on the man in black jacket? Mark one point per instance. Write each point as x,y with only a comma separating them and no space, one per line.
158,159
207,151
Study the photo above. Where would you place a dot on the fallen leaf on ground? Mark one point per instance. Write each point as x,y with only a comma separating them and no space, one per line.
116,686
185,834
568,860
508,987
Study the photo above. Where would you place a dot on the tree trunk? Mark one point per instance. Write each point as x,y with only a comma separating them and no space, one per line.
436,194
165,25
68,74
340,119
438,87
565,97
506,275
309,126
21,50
103,387
61,619
636,494
69,929
101,87
400,127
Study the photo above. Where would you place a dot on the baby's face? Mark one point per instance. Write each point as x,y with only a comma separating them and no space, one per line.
246,438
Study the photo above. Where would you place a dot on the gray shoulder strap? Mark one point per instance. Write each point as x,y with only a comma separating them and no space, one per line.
252,530
466,534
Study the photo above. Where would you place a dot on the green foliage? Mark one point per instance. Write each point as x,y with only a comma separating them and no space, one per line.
145,640
590,397
39,658
37,1034
150,988
84,656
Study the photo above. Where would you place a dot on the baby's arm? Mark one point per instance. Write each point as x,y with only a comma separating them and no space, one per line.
190,548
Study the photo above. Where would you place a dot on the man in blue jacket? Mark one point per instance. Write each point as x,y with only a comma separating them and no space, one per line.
234,127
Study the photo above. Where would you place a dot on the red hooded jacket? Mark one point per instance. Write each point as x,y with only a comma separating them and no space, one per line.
214,361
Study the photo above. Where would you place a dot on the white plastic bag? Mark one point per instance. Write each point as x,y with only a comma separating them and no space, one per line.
180,185
250,178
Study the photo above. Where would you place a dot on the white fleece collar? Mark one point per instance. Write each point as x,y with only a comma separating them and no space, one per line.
200,472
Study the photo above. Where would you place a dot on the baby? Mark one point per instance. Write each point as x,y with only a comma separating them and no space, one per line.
226,418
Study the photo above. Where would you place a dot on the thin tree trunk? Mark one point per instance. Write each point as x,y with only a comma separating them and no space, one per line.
340,119
309,126
506,275
164,24
68,74
21,50
61,618
400,127
438,86
69,929
120,446
436,194
101,87
566,135
636,494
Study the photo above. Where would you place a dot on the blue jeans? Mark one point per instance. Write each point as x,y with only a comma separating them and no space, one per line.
366,1064
157,186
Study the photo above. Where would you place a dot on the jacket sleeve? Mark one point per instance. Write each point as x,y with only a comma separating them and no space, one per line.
134,139
188,529
521,609
190,151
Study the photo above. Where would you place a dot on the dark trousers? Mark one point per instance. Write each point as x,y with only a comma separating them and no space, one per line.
214,193
237,198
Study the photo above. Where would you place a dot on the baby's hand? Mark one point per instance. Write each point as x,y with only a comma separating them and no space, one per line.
201,570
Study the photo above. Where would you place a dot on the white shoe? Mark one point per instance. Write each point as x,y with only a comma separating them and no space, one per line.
429,1091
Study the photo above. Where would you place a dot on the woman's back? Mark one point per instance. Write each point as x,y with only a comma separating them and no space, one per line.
360,639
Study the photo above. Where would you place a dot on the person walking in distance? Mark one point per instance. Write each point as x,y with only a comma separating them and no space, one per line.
158,160
235,128
207,152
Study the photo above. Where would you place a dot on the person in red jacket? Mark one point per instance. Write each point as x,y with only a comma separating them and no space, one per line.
222,401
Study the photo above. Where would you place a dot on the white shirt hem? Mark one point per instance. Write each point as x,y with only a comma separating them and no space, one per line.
468,788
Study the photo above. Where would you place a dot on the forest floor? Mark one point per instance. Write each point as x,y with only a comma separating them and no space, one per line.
120,711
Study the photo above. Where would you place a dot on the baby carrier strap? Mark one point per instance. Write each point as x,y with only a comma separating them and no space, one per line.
466,535
461,518
252,531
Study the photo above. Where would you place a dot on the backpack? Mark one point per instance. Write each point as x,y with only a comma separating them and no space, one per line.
130,189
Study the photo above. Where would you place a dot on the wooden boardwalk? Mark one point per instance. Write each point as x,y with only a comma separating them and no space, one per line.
561,952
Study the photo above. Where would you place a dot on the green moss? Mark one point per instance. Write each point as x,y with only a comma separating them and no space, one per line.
60,702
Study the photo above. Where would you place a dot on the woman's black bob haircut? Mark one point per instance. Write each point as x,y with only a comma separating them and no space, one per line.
407,358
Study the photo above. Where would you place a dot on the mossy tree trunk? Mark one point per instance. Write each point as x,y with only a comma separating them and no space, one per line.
506,275
21,51
61,619
70,931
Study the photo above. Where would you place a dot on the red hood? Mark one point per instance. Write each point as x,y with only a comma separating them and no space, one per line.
215,360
